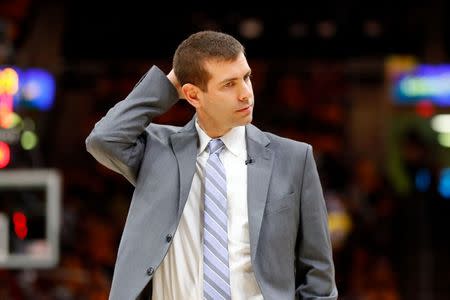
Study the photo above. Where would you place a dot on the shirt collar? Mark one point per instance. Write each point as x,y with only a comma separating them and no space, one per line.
234,140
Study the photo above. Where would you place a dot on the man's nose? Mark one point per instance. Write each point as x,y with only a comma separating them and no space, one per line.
246,93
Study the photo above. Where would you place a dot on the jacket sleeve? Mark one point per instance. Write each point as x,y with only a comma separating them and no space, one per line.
314,262
117,140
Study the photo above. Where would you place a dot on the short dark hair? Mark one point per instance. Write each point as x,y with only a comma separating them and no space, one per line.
192,53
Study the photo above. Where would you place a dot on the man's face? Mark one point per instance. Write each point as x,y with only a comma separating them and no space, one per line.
228,101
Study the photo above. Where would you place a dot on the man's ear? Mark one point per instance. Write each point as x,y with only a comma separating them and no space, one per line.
191,92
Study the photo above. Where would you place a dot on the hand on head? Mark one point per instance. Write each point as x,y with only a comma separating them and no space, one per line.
173,78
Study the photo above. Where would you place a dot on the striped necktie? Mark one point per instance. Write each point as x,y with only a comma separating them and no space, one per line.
216,273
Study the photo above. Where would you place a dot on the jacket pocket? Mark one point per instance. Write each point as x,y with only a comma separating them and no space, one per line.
274,206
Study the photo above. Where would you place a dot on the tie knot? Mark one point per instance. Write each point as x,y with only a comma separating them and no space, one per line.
215,146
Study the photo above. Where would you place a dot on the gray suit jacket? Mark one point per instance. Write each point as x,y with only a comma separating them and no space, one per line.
289,239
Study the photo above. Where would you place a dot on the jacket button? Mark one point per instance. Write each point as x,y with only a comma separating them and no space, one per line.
169,237
150,271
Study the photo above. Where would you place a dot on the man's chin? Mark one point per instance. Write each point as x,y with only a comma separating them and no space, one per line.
246,121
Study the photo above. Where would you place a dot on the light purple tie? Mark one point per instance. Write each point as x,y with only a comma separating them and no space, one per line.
216,273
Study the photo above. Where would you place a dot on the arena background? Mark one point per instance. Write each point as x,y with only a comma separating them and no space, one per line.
325,72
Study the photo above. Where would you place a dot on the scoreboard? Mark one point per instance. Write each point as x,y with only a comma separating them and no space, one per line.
29,218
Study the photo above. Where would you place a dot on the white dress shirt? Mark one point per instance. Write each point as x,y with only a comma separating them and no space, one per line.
180,275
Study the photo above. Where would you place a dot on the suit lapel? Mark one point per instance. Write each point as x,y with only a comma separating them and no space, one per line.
258,177
184,145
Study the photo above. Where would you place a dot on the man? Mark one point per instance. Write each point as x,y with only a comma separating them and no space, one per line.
240,217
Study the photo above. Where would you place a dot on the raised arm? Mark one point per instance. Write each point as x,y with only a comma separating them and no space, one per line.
118,140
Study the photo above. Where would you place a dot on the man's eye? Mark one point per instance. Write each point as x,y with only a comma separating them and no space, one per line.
228,84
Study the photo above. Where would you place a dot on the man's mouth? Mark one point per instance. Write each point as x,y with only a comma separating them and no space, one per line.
245,108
